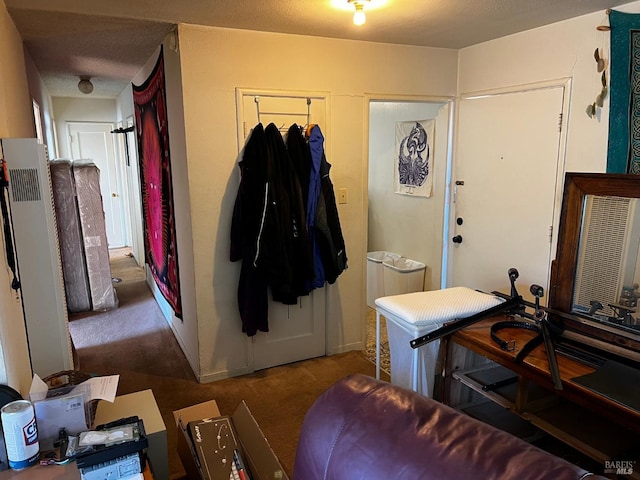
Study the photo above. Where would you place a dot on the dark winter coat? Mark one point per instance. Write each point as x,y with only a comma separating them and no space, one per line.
268,230
328,231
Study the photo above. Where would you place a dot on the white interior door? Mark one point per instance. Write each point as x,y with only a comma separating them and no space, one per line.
95,141
296,332
506,170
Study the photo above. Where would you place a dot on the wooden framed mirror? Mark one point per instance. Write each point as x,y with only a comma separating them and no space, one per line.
595,276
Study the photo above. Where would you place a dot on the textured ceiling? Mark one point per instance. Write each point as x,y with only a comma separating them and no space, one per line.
110,41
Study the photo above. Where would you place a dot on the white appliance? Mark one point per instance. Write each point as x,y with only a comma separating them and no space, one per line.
38,255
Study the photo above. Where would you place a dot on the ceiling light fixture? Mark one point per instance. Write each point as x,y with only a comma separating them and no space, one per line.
85,85
358,16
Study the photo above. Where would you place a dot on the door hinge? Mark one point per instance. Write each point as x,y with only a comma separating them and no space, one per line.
550,233
560,122
458,183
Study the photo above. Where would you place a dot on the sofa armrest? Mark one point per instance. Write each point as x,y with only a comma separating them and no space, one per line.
362,428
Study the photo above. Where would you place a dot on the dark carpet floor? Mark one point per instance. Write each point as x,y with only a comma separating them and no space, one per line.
135,342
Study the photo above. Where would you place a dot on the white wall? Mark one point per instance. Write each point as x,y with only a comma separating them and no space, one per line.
124,104
16,121
409,226
561,50
79,109
39,93
215,61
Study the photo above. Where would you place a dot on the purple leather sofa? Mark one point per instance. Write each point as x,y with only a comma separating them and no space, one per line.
362,428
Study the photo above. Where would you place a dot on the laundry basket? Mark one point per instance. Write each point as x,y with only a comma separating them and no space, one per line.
413,315
402,275
375,281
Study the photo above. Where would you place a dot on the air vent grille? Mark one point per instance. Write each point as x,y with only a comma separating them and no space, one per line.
602,252
25,186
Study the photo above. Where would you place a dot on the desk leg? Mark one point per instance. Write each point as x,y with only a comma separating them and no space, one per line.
377,345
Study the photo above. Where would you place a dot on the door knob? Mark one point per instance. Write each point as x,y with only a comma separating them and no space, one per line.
114,194
457,239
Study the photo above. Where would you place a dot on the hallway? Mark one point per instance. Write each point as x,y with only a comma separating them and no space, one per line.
134,337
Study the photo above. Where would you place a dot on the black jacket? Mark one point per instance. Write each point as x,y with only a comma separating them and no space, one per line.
245,232
268,230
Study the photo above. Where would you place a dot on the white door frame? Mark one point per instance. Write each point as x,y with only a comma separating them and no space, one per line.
370,98
131,193
134,197
120,153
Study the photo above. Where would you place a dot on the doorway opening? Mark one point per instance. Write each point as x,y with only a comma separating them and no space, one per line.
408,226
93,140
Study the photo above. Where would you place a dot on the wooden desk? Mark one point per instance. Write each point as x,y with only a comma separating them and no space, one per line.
595,424
535,367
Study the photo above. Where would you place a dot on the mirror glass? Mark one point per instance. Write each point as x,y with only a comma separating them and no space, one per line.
607,275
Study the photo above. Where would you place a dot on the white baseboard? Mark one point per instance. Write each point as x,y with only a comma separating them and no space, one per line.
212,377
346,348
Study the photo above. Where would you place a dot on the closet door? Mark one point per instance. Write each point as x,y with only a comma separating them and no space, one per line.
508,170
296,332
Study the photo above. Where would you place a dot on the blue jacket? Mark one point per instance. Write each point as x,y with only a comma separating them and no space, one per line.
330,256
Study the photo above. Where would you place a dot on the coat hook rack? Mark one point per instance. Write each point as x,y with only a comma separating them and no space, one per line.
256,99
126,140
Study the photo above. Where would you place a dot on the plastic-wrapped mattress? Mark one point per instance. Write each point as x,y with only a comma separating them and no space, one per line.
92,224
74,268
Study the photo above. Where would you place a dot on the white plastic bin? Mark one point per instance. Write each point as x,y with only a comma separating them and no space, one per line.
402,275
412,369
413,315
375,281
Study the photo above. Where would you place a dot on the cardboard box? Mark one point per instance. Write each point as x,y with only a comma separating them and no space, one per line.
258,456
142,404
216,446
